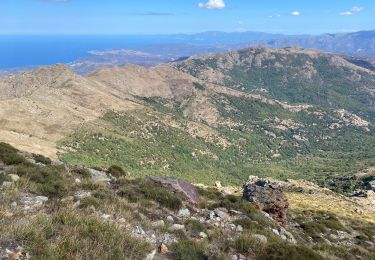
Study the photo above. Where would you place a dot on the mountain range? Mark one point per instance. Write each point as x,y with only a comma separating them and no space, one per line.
284,112
357,46
148,163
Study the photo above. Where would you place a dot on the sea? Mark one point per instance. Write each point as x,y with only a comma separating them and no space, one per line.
28,50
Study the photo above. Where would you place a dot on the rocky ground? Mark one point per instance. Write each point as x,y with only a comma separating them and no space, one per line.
50,210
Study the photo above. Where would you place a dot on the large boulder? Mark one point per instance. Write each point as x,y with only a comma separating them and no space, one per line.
268,196
183,188
371,185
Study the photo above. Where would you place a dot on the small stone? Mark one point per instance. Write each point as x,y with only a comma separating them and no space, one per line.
218,185
221,213
151,255
7,184
121,221
77,180
239,228
106,216
176,227
163,249
232,226
260,238
158,223
234,257
79,195
139,230
202,235
183,213
14,177
41,199
170,219
212,215
276,232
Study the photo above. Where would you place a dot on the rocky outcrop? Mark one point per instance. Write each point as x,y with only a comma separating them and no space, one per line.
181,187
371,185
268,196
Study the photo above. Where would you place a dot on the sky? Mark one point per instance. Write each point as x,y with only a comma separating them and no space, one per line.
184,16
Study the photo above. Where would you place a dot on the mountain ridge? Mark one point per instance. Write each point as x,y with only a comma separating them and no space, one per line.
127,115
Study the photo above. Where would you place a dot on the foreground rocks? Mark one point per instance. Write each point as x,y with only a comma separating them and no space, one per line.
268,196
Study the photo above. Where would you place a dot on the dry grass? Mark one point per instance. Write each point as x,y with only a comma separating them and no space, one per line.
331,203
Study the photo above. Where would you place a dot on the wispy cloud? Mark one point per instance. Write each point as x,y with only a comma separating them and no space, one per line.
353,10
274,16
295,13
213,4
154,14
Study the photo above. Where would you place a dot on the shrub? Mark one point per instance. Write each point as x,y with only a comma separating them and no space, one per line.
89,201
42,159
116,171
82,172
188,250
247,245
49,181
3,177
161,195
9,155
291,252
195,227
140,190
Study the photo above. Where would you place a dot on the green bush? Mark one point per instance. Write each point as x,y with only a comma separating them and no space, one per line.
9,155
116,171
81,171
42,159
140,190
89,201
247,245
288,251
188,250
50,181
195,227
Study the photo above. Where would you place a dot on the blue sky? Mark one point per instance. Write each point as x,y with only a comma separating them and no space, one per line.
184,16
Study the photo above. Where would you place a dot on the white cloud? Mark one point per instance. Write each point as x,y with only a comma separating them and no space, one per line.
274,16
353,10
295,13
213,4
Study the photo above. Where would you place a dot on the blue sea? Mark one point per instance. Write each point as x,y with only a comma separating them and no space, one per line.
26,50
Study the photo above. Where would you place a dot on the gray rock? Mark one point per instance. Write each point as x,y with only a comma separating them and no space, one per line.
202,235
287,236
176,227
79,195
151,256
371,185
158,223
239,228
260,238
170,219
183,213
99,176
220,212
14,177
138,230
6,185
42,199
